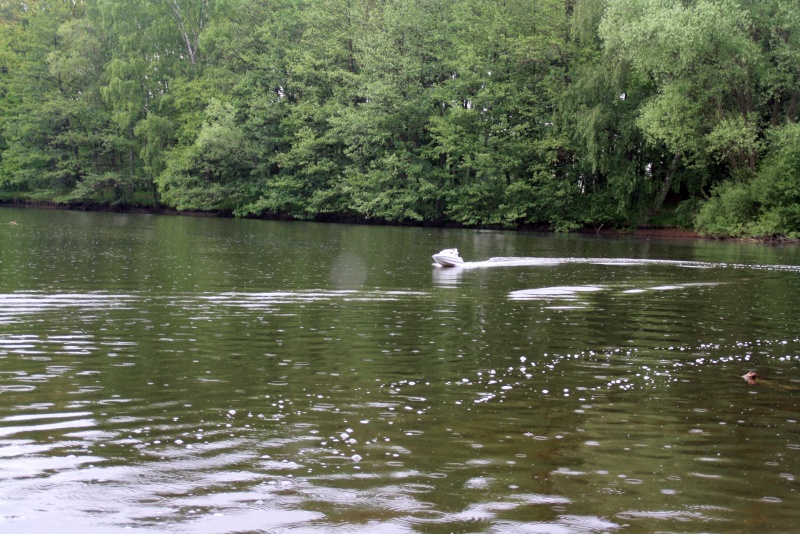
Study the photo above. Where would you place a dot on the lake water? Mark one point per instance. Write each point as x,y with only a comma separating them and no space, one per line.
200,375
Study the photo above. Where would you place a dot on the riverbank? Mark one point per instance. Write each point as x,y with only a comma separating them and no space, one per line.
644,231
664,232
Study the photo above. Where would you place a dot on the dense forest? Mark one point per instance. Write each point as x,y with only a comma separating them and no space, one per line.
567,114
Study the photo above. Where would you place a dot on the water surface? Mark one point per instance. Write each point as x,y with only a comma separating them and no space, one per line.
198,375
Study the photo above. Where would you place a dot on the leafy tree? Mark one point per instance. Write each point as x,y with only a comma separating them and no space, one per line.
211,173
769,205
564,113
495,109
55,119
154,83
717,68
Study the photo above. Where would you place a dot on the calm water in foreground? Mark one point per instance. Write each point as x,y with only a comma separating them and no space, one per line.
196,375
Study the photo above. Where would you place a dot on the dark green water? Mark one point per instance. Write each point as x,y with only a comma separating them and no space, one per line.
196,375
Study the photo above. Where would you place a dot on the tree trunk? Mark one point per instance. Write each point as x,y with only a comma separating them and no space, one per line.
662,193
154,190
776,110
791,113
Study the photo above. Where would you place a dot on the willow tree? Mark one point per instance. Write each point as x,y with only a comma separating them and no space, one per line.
712,64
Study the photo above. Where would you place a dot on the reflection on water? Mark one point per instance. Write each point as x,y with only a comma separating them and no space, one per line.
212,376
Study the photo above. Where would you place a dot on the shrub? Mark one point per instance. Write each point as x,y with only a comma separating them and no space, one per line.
765,207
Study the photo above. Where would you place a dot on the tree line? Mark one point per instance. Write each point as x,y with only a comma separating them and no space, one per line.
557,113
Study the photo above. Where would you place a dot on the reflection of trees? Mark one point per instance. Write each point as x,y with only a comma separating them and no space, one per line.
256,317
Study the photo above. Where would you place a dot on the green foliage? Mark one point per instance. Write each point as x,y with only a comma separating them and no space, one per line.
109,188
730,212
210,174
765,207
476,112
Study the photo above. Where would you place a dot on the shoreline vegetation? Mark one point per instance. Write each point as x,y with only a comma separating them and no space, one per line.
633,116
643,231
664,232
